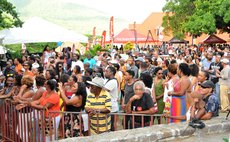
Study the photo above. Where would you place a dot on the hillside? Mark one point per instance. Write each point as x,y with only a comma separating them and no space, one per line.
73,16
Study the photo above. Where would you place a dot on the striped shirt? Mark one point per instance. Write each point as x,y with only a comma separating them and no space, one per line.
100,122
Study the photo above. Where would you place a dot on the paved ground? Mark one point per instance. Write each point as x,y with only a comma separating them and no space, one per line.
199,137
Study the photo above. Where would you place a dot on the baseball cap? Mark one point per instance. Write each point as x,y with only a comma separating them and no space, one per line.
140,59
207,84
226,61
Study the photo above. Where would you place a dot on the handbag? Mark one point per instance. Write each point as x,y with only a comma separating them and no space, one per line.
167,106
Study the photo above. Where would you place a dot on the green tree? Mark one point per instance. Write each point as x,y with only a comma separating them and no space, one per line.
196,17
8,15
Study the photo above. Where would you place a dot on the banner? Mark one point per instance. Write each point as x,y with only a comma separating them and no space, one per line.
103,38
111,29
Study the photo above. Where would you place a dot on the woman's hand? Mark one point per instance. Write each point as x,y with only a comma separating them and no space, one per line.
20,106
134,112
24,86
60,86
16,98
166,115
32,104
170,93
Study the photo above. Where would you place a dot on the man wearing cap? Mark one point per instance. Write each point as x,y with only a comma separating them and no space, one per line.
224,80
211,108
98,105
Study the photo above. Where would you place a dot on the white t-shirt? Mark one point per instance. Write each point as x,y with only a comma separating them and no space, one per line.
112,86
79,63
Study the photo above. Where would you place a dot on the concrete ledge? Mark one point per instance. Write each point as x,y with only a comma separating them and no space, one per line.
156,132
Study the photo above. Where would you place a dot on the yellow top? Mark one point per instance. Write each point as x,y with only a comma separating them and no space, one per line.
99,122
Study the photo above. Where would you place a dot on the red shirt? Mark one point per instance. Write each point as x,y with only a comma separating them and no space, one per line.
53,99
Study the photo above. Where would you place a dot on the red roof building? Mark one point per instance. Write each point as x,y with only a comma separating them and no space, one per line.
154,22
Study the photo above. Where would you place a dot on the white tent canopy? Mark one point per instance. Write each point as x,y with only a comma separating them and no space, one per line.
38,30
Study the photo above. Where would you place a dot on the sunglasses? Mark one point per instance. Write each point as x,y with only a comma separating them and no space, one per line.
8,75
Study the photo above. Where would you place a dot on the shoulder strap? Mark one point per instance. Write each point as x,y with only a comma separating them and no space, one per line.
111,79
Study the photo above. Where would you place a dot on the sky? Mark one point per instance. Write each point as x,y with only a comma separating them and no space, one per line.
130,10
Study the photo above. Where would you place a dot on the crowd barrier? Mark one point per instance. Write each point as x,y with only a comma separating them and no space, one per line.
30,125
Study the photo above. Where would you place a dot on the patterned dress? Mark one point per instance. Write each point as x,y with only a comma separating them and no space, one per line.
178,104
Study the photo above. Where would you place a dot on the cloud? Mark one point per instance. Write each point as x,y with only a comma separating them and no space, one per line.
131,10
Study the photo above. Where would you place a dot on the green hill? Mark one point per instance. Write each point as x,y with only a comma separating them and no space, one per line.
72,16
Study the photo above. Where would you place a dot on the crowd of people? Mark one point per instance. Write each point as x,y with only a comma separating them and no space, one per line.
189,83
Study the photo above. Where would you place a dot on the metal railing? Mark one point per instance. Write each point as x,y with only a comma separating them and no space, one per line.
29,125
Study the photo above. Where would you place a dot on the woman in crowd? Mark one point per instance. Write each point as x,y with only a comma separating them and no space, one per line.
45,55
165,65
27,66
9,84
74,104
50,74
59,70
26,90
24,58
40,82
202,77
49,101
194,82
77,72
70,87
158,89
16,87
89,72
178,104
60,57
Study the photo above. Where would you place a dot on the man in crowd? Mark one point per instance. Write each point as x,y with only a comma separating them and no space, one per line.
112,87
76,61
98,105
216,67
211,108
207,61
140,103
133,67
90,60
128,93
224,79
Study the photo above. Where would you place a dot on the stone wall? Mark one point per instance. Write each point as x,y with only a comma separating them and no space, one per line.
162,132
